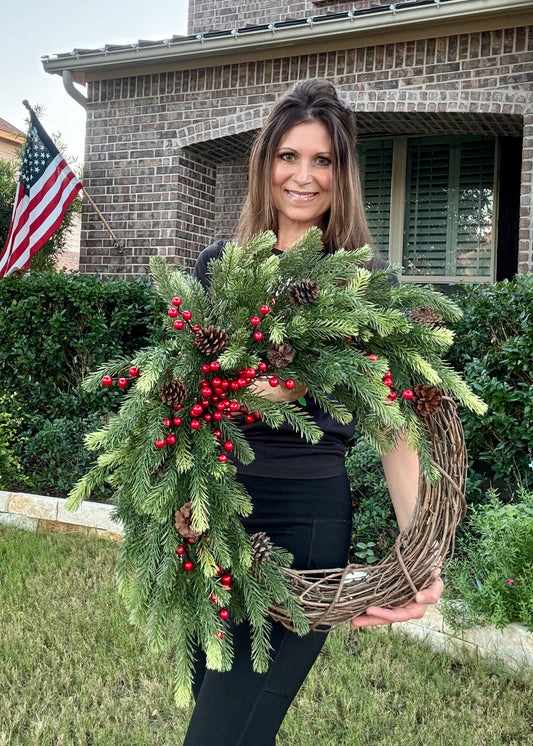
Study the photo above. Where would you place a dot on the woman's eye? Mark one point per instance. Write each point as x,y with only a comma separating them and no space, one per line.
323,161
286,156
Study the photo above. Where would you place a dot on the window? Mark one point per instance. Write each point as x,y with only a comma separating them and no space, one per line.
430,203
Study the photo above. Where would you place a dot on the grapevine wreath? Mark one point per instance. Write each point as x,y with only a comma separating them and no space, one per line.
364,346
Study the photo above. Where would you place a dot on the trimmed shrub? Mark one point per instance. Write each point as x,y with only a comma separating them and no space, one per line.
54,329
494,349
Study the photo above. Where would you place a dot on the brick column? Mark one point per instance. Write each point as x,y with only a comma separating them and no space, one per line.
525,246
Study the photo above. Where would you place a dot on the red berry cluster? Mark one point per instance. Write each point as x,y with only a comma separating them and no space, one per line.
122,382
214,402
387,380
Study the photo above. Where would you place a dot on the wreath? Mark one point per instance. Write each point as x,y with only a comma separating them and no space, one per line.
365,347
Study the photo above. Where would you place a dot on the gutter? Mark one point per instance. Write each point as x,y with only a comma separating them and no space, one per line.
87,64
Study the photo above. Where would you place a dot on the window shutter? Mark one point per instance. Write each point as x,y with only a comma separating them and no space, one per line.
375,158
448,212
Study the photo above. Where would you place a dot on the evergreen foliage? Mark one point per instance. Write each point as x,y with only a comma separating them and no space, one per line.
345,341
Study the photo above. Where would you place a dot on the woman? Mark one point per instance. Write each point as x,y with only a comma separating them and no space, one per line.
303,173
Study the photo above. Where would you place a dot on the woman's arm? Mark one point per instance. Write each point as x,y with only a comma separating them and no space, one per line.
402,472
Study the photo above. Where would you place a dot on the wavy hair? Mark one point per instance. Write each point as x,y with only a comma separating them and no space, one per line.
345,223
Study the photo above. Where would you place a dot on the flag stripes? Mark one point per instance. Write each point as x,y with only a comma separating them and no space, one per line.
46,188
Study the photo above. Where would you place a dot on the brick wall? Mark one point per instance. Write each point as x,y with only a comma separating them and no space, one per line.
156,144
210,15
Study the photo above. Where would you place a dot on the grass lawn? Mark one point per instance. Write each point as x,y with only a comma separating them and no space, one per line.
74,673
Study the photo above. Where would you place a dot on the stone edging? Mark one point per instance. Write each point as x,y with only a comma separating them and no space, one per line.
513,644
40,513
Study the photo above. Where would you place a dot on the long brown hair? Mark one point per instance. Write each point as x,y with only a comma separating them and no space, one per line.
345,223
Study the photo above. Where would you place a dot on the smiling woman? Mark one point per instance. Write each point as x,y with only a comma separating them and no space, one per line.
302,177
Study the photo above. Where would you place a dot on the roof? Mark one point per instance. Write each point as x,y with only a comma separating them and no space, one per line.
85,64
6,127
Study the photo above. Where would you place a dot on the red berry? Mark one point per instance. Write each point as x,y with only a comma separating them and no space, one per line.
373,357
220,634
208,417
228,445
167,422
204,403
255,321
177,407
178,324
207,392
186,315
176,301
226,579
251,372
242,382
407,394
122,383
387,374
196,410
195,424
219,569
217,433
392,396
196,328
171,439
221,405
214,365
217,415
188,565
273,381
262,367
215,398
107,381
191,540
177,421
180,550
223,613
258,336
216,381
289,383
173,312
219,391
388,382
234,406
133,371
234,385
264,309
160,443
213,598
249,418
206,368
225,384
348,340
222,458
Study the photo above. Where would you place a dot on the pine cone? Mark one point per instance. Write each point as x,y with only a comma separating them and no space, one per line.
260,547
303,292
280,355
173,392
426,315
426,399
211,339
183,520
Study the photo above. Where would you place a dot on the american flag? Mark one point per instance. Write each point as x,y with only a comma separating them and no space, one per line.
46,188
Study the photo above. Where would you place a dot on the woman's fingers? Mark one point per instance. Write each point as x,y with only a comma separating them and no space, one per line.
377,615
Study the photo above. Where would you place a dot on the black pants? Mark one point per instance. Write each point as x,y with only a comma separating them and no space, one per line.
312,519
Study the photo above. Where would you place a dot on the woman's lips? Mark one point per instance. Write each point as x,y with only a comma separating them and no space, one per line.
300,196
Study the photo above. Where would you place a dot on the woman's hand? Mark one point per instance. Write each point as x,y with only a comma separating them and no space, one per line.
261,387
376,615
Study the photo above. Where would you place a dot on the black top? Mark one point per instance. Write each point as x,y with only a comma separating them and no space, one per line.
281,452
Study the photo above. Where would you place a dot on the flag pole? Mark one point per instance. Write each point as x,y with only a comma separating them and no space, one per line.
118,244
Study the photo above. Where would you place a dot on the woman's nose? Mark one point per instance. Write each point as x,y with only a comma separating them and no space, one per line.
303,173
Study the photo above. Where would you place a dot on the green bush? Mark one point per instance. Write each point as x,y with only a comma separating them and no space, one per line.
54,329
10,420
494,348
494,577
374,525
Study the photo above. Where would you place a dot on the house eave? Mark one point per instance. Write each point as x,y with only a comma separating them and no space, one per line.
210,49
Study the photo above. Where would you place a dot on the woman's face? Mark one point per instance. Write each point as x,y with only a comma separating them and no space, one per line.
302,176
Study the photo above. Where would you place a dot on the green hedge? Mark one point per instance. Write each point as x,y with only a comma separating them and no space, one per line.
54,329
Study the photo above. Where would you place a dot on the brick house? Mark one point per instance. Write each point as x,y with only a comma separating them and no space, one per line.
443,96
11,140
